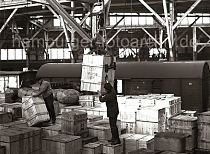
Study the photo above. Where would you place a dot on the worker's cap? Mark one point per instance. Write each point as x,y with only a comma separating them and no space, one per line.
108,86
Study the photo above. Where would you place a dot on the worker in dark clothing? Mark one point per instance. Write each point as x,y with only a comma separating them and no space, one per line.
110,98
46,91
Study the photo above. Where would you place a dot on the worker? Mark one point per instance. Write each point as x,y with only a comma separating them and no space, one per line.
46,91
110,98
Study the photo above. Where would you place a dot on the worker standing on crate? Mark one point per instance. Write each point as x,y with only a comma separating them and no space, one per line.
46,91
110,98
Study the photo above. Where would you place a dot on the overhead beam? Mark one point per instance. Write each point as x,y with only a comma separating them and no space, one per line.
69,20
186,13
150,35
8,20
153,12
119,30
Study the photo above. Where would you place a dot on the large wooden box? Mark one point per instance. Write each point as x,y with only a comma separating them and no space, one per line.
62,144
21,140
5,117
168,141
141,151
74,122
92,148
35,110
185,125
93,72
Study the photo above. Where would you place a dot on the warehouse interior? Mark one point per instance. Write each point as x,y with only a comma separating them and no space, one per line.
155,54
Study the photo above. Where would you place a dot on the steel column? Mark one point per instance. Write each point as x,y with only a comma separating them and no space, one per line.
194,43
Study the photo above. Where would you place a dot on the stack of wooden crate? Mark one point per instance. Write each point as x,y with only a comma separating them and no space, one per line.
204,130
35,110
62,144
93,72
74,123
21,140
185,125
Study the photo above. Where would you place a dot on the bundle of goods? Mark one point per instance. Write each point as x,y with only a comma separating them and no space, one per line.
67,96
35,110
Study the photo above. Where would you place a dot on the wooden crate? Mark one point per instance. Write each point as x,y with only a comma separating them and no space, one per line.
5,117
204,117
147,128
204,131
15,109
62,144
183,122
74,122
129,126
14,124
21,140
35,110
111,149
93,72
100,131
132,142
2,150
185,125
51,130
168,141
92,148
191,140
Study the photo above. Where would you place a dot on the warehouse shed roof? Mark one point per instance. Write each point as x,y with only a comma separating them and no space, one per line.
127,70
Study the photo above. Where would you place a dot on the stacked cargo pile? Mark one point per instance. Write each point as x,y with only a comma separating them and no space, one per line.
204,131
21,140
186,125
74,123
95,71
35,110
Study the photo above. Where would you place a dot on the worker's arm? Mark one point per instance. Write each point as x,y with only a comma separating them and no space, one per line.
42,89
104,98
